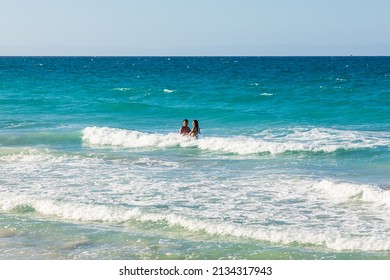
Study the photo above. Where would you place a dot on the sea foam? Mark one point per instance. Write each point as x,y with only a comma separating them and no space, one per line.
116,214
345,191
274,142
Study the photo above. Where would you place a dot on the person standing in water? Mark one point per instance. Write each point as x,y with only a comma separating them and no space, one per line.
185,130
195,129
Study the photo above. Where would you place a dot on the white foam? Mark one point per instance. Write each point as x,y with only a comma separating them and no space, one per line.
122,89
280,207
168,90
130,139
282,235
274,142
266,94
25,156
344,191
70,210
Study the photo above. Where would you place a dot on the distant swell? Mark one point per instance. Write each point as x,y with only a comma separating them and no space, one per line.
274,142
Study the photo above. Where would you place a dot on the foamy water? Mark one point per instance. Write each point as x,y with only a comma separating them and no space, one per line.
276,208
296,140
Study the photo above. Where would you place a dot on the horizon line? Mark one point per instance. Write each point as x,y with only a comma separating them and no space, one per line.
183,56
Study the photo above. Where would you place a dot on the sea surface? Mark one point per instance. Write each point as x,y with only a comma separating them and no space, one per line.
293,159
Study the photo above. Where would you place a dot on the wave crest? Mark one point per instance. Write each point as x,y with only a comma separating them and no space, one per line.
343,191
115,214
273,142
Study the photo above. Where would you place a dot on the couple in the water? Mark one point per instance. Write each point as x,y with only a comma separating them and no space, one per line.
185,130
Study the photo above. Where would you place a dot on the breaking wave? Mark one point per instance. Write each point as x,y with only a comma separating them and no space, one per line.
116,214
273,142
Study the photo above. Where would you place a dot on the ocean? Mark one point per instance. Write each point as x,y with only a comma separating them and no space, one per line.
293,159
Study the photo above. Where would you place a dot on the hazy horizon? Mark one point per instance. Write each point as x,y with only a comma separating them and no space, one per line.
201,28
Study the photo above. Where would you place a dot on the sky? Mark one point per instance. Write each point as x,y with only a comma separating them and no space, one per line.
194,27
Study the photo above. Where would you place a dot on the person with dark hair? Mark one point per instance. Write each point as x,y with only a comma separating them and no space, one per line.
184,130
195,129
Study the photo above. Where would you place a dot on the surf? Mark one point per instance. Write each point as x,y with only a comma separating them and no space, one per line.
76,211
274,142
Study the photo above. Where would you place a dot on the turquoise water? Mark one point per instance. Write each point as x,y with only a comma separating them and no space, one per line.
293,160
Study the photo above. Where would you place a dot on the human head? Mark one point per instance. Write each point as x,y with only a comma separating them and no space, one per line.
195,123
185,122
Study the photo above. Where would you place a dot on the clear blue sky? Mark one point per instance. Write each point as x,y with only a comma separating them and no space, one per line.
194,27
